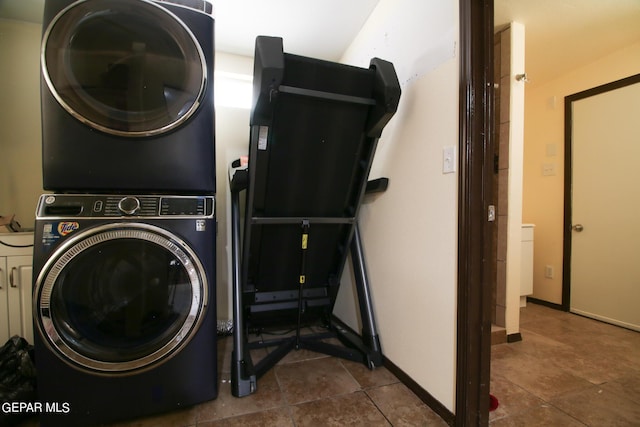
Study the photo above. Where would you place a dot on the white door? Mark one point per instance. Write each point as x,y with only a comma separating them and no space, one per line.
605,241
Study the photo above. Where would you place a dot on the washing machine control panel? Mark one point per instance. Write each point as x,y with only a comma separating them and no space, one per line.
108,206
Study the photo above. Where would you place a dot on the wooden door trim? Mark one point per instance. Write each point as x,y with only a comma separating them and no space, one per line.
474,197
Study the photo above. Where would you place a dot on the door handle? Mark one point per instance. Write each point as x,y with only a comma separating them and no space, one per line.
578,228
12,280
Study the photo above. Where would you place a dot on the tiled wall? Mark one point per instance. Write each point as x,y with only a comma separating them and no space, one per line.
502,72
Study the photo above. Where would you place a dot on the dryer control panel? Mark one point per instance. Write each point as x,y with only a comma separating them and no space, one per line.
118,206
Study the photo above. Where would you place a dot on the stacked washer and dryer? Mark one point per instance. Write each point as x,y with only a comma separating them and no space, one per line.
124,254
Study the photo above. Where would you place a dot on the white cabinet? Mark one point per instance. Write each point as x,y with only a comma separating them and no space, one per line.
526,266
16,272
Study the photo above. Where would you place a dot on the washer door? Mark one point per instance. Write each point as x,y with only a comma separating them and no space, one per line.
119,298
128,68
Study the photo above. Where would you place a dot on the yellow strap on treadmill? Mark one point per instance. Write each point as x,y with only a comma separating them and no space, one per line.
302,279
305,239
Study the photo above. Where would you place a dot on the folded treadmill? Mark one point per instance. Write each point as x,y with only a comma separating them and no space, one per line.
314,129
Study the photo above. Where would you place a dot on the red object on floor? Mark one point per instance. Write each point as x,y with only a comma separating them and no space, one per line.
493,403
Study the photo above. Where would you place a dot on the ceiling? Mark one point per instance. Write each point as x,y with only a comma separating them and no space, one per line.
560,34
317,28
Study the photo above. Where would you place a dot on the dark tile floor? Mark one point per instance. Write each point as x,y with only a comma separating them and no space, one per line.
305,389
567,371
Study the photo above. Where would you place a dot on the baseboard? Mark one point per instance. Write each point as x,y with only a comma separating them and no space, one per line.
607,320
405,379
422,394
584,314
514,337
545,303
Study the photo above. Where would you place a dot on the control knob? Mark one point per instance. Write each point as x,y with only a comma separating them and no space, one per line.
129,205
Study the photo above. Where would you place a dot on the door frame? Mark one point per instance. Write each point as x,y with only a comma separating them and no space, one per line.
568,176
475,194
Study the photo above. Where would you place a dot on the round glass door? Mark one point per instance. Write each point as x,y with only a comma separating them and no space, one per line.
120,297
128,68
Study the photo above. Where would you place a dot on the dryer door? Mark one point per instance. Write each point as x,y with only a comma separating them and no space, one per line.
118,298
129,68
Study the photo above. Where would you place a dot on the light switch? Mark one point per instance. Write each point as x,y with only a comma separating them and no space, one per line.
449,159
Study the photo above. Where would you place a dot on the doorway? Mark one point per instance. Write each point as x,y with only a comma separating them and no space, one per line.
602,236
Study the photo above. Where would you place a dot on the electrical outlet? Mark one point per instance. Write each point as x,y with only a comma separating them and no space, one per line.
548,169
548,271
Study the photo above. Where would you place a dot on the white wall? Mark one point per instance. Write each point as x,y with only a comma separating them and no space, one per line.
232,140
410,231
20,128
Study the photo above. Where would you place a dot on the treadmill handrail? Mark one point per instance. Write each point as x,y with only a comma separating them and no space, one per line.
326,95
262,220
